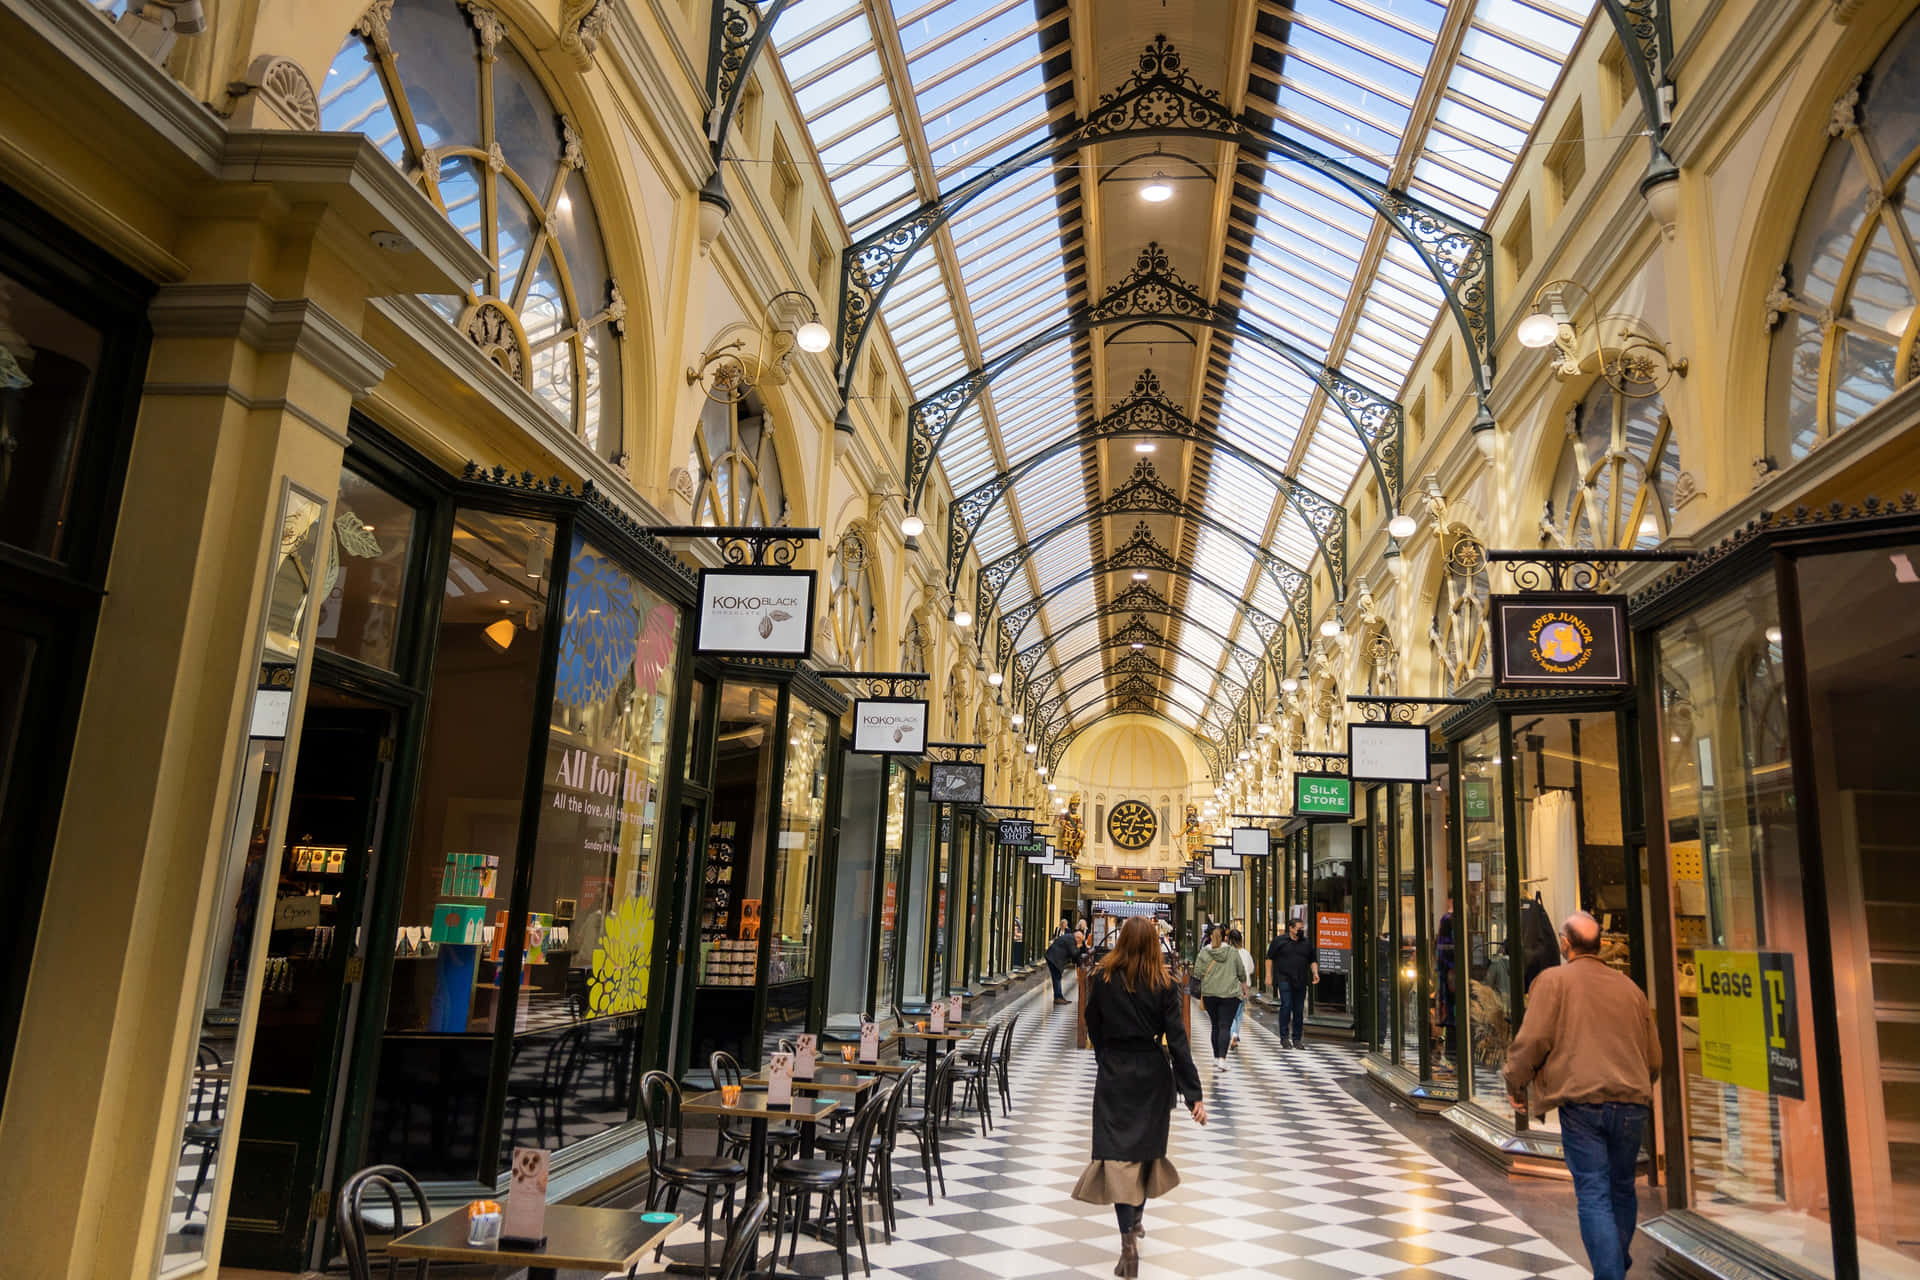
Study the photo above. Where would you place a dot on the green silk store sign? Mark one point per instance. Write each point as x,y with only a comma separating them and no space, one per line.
1321,795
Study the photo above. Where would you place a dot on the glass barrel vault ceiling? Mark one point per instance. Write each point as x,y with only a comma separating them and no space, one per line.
906,98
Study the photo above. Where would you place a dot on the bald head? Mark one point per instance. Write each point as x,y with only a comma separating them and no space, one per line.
1583,934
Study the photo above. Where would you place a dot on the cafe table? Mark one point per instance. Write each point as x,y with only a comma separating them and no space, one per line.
579,1238
937,1043
757,1112
852,1083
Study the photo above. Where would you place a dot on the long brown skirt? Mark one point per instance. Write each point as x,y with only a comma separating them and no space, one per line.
1125,1181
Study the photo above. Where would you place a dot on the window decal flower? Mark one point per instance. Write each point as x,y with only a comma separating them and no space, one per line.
601,627
618,983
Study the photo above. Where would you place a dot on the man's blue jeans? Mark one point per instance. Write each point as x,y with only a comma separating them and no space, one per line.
1602,1144
1293,1009
1054,969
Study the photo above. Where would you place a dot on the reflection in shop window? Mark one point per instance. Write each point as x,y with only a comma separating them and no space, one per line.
438,87
1842,311
366,573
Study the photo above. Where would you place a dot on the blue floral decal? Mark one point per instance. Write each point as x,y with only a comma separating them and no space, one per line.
599,632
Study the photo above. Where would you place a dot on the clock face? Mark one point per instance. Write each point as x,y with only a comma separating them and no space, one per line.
1131,824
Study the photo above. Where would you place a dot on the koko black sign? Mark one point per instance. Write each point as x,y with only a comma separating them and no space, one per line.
1560,641
890,726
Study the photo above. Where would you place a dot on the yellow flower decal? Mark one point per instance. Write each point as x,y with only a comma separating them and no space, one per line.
620,962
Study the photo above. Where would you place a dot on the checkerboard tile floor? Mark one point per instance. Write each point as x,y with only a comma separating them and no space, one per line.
1292,1177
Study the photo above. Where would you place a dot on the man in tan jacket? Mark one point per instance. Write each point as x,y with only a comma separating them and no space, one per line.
1587,1046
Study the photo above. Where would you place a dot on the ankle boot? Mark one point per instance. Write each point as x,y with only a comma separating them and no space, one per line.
1140,1227
1129,1264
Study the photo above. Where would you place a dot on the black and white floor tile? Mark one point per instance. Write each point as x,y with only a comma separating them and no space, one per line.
1291,1177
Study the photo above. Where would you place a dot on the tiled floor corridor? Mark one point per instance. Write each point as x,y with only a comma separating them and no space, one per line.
1292,1177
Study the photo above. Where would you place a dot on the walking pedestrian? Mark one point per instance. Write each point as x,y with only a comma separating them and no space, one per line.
1587,1046
1291,963
1237,941
1222,979
1133,1007
1059,955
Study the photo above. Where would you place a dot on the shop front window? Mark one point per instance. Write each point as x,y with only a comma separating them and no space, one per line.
735,863
892,848
1330,847
597,866
1385,957
445,998
1754,1154
918,893
438,87
1843,313
1485,954
1860,625
793,903
1573,854
47,361
366,576
863,792
1414,1019
1444,987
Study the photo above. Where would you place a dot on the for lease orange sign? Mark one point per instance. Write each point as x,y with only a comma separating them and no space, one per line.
1333,930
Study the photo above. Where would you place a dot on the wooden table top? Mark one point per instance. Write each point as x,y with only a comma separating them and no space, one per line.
579,1237
754,1106
826,1080
908,1033
888,1068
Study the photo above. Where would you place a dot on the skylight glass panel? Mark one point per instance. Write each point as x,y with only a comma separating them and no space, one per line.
1064,554
995,537
814,33
1293,540
1050,493
1239,495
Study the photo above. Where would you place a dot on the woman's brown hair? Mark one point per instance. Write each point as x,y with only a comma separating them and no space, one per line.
1135,958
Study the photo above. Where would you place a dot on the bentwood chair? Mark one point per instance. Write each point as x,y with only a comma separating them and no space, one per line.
923,1123
743,1241
877,1171
206,1116
388,1181
672,1170
837,1183
782,1139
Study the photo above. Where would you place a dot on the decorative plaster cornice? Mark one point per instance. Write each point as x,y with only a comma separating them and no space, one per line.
1716,90
420,322
246,312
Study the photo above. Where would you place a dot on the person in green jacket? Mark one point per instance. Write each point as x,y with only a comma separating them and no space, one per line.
1223,985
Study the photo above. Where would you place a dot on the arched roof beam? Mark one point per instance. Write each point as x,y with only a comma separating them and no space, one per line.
1153,290
1146,412
1025,660
1161,99
1033,690
1056,749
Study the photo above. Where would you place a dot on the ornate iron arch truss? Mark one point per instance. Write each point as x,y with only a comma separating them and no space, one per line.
1143,492
1025,660
1137,661
1146,412
1136,666
1153,290
1161,99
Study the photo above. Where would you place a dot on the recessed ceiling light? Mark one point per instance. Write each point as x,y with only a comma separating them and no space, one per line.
1141,575
1157,190
1144,446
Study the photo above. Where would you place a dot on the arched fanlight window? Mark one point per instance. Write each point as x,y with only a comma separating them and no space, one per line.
851,617
438,87
1614,486
736,471
1458,635
1842,311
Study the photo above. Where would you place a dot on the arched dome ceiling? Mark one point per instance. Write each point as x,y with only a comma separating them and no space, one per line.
1282,305
1131,755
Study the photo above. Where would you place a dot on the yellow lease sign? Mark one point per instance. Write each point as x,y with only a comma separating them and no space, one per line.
1749,1035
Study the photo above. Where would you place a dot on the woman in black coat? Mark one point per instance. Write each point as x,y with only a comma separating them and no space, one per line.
1133,1004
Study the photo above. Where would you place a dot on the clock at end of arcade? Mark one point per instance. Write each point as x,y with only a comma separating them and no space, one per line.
1131,824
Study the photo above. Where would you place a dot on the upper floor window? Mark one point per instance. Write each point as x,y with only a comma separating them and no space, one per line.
437,87
1843,309
735,468
1614,486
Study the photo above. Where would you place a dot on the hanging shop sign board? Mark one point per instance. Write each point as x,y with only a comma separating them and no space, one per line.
1332,940
1750,1021
957,782
1387,752
1039,854
1560,641
1251,842
756,613
1017,831
1222,860
1169,886
1322,795
889,726
1476,799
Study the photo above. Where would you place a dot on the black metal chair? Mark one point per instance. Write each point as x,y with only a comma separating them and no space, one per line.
549,1087
389,1180
743,1241
674,1171
877,1175
976,1073
923,1123
837,1182
1002,1064
206,1116
782,1139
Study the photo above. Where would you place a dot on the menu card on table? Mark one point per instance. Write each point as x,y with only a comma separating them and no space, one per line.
780,1080
869,1040
937,1018
524,1218
953,1009
804,1048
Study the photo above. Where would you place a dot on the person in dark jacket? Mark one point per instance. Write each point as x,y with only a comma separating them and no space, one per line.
1291,963
1133,1005
1059,956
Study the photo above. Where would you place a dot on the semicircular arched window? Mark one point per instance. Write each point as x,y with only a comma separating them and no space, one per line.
1842,311
735,468
1614,486
437,86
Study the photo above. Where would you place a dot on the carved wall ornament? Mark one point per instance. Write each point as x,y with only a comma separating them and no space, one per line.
1845,120
571,153
491,326
582,25
1686,487
281,85
490,29
1762,468
1779,300
681,481
374,24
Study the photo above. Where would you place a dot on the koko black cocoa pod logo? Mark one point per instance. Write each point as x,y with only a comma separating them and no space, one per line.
769,618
